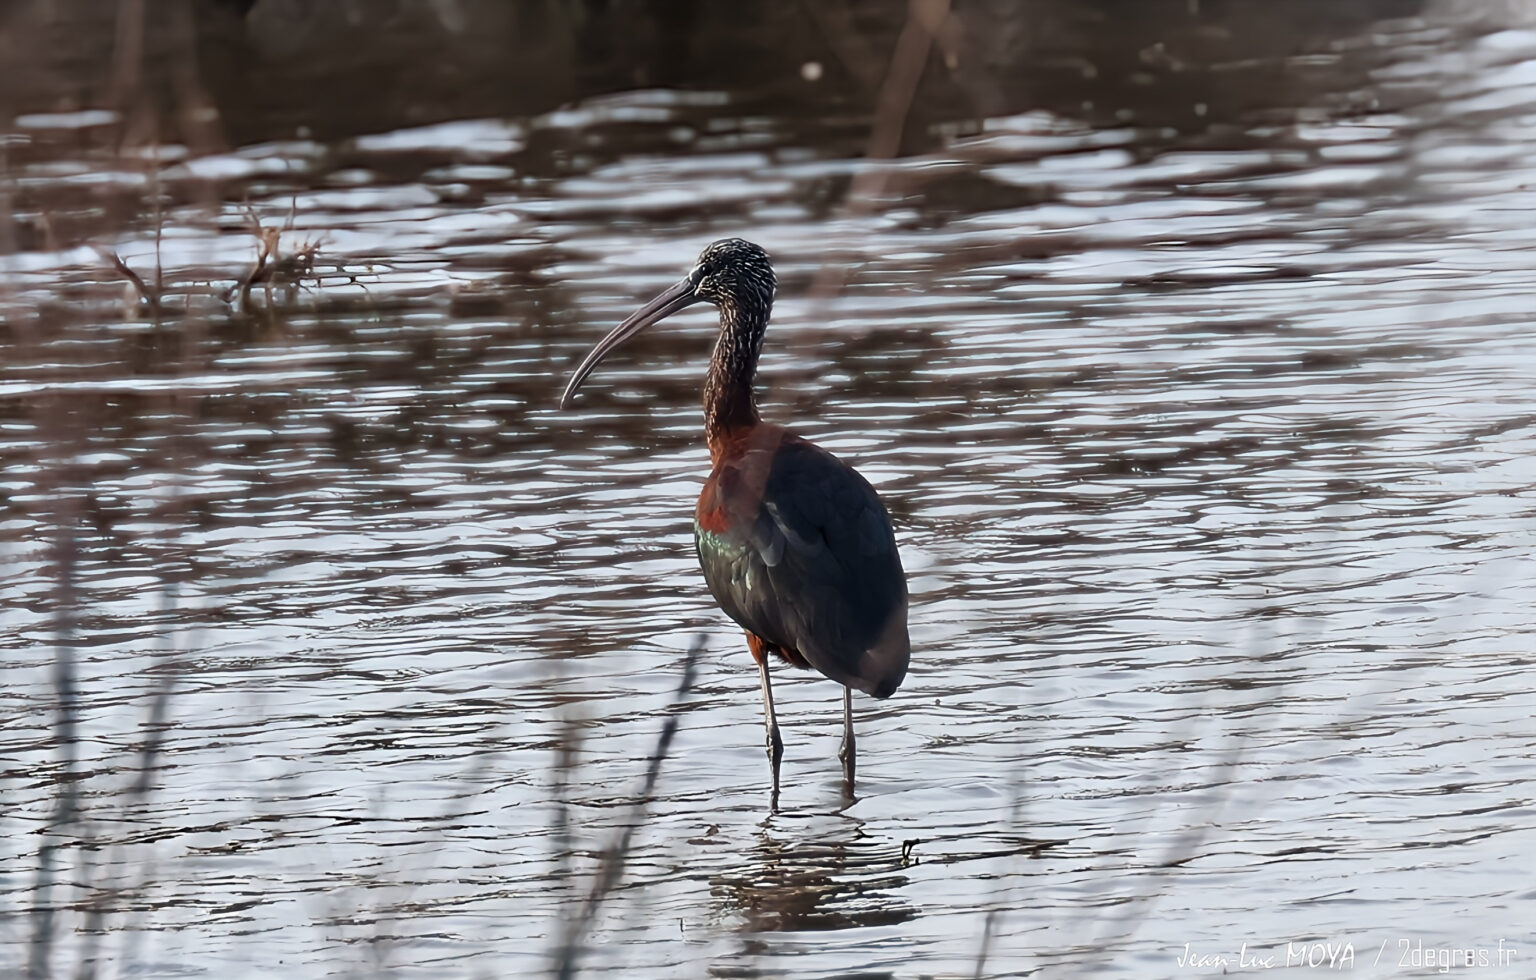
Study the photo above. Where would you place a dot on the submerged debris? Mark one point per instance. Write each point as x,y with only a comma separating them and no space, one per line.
274,269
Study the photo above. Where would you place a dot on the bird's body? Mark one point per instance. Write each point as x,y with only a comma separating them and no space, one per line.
798,550
795,545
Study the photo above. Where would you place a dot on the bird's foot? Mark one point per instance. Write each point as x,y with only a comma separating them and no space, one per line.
847,754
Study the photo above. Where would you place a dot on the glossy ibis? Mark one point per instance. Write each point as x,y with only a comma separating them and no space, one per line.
796,547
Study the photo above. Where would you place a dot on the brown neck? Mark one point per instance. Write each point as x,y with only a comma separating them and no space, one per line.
728,402
728,407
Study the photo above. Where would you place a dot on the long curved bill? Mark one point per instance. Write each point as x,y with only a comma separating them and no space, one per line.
672,299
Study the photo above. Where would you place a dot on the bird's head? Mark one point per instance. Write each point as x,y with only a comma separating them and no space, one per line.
736,274
733,274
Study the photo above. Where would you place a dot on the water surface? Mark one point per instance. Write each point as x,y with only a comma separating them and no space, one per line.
1202,402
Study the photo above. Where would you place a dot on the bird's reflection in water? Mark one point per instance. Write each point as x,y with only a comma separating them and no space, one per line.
815,872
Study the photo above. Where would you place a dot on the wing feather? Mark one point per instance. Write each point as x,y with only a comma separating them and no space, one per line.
798,549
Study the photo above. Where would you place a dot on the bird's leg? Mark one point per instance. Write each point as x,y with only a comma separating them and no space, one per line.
775,743
846,752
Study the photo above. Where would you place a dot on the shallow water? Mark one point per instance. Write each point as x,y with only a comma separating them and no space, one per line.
1207,424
